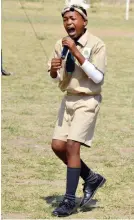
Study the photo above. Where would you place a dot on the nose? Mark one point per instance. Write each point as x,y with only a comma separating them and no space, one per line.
69,22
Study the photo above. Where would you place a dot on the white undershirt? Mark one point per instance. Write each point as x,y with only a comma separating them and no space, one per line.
92,72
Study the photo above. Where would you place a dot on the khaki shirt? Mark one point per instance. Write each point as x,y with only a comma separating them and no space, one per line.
93,49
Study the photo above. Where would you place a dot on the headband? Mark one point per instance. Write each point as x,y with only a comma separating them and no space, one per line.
79,9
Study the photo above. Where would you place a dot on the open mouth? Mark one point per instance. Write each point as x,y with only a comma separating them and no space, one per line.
71,31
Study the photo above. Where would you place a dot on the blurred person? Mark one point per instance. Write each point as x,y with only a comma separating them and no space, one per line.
78,65
4,72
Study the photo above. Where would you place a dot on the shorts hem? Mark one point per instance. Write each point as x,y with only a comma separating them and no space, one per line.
85,145
81,142
73,139
60,139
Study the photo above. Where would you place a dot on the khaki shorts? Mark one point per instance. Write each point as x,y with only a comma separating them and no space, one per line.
77,118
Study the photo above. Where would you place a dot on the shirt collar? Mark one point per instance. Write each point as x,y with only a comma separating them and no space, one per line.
83,39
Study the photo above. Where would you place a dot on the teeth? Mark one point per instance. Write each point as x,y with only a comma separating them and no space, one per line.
71,30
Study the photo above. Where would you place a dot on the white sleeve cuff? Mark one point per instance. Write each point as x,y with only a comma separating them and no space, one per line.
92,72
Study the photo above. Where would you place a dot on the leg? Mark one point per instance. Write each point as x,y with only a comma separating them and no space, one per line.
69,153
59,148
3,72
73,173
1,62
73,168
73,154
93,181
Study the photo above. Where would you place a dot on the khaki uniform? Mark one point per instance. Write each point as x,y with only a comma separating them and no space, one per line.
80,106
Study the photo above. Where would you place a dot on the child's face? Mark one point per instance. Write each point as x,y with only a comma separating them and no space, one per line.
74,24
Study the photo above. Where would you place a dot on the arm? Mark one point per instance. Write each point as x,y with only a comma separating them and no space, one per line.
90,70
54,63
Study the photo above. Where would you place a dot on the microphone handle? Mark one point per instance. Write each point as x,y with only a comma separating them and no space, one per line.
64,52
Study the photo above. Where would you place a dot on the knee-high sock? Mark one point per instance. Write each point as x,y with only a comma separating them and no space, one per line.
86,173
73,175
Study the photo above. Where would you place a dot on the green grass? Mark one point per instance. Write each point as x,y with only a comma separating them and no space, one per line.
33,179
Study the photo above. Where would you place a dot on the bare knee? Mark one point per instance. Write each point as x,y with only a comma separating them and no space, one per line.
58,146
72,148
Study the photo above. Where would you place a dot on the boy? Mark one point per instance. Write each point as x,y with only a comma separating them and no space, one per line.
81,76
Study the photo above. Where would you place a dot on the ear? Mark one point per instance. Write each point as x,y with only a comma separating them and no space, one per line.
85,23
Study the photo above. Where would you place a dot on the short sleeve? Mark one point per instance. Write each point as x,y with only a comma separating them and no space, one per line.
55,54
99,59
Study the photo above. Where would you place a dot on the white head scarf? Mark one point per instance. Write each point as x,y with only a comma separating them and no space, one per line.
76,5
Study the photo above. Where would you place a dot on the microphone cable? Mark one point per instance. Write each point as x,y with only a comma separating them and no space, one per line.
34,31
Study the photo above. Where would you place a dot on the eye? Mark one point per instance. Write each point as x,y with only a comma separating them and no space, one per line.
72,18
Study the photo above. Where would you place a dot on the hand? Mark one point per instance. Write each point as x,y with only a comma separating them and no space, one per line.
56,64
67,41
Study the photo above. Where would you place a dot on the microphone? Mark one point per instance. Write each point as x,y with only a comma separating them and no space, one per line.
64,52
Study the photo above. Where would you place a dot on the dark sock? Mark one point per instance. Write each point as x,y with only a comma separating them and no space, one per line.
86,173
73,175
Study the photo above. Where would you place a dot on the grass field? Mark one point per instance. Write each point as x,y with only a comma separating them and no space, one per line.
33,179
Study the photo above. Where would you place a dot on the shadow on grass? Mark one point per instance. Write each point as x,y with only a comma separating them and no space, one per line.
54,200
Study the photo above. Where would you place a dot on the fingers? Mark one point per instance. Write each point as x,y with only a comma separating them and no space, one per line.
56,67
67,41
65,44
56,64
56,60
66,38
